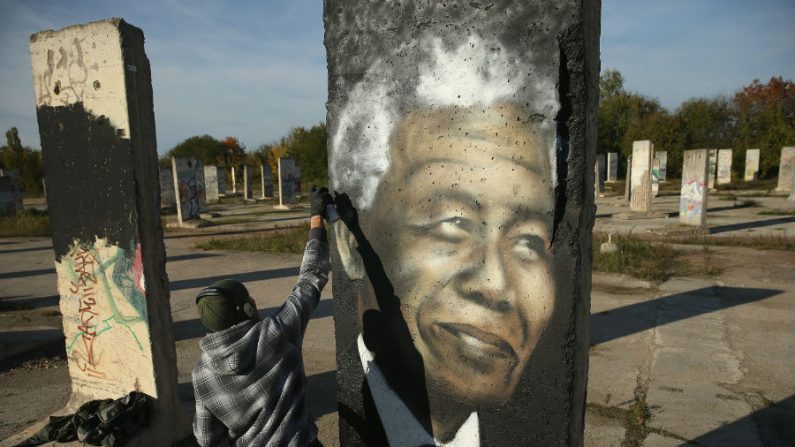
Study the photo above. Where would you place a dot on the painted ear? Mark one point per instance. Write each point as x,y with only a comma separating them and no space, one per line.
346,247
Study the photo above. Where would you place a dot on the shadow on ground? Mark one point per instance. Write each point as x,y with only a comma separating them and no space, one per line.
616,323
775,425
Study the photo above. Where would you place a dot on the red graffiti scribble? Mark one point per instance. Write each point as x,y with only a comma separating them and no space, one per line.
84,356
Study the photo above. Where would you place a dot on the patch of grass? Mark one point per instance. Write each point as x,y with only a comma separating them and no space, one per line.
29,223
235,220
653,261
771,212
761,242
286,241
740,185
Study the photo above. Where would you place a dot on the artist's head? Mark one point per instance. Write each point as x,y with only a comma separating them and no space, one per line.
455,193
225,304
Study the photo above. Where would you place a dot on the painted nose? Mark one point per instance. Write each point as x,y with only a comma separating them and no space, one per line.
486,281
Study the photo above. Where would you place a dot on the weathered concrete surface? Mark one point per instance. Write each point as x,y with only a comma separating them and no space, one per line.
248,185
786,169
640,178
211,191
94,105
751,164
724,174
693,195
612,167
477,96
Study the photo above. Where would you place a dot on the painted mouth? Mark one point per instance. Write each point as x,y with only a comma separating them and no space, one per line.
475,343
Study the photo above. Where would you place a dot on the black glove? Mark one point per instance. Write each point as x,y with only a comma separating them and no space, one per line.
320,199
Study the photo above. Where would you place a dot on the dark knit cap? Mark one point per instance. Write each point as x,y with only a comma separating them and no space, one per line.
220,305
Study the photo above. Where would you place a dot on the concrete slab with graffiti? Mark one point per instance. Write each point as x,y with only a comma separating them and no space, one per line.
693,198
103,200
189,187
459,146
662,156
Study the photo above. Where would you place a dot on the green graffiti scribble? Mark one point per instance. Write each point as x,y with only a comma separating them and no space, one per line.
123,266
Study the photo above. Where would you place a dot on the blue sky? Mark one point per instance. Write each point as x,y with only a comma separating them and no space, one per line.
255,69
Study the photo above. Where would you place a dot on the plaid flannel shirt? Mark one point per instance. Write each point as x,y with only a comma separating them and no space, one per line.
249,383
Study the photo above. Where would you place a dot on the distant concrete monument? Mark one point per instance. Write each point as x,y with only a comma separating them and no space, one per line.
600,172
234,181
786,169
10,193
751,165
287,184
266,174
248,184
640,187
94,106
724,166
628,179
612,167
189,188
662,156
168,198
693,198
211,192
713,167
221,172
655,177
791,197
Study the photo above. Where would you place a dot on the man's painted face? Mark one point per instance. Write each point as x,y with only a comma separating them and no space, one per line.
463,224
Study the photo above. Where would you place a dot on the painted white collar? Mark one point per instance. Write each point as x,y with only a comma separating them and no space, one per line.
400,425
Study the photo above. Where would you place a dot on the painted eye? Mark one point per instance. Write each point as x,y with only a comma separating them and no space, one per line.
528,248
453,229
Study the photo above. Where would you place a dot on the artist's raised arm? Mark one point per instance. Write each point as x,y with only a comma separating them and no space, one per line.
313,275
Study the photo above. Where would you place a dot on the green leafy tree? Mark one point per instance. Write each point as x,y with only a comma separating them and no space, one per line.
308,147
765,119
25,160
201,147
619,112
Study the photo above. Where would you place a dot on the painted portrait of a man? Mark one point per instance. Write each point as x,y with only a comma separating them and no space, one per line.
451,186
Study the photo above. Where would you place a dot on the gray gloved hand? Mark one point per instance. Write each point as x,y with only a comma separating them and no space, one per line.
320,199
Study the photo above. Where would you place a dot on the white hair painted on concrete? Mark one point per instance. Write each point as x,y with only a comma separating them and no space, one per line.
479,72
